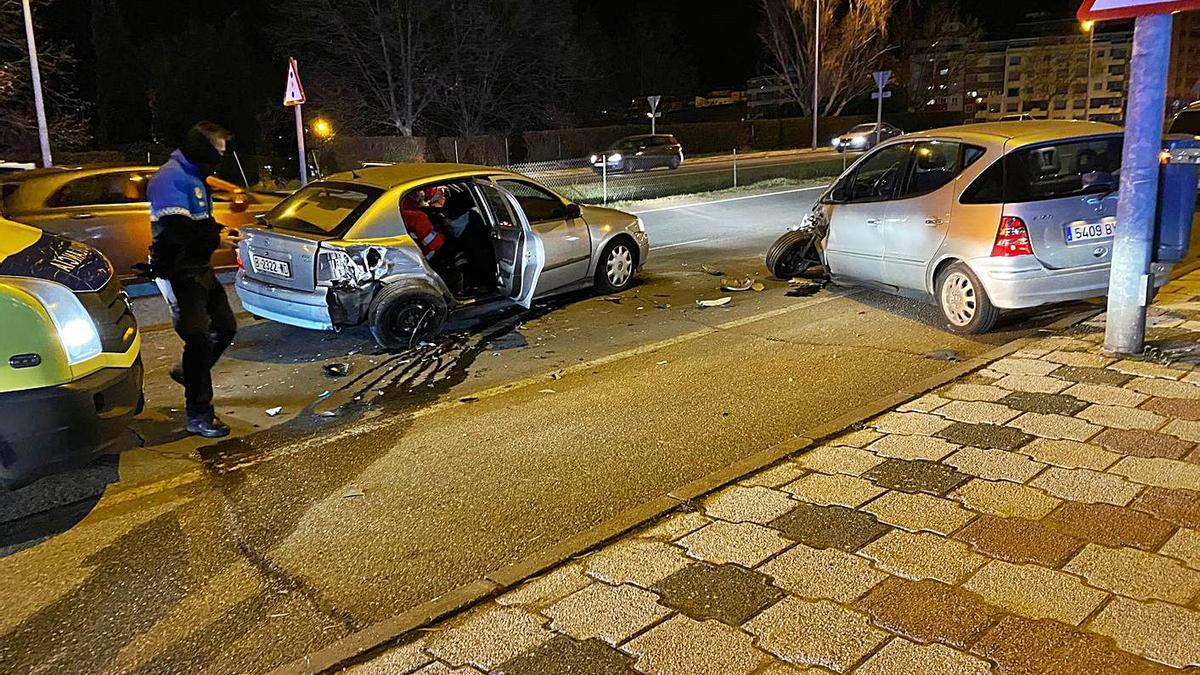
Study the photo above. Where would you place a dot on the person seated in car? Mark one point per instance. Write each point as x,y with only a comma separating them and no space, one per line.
439,249
472,246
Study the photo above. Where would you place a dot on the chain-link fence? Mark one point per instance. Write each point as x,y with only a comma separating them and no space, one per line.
581,181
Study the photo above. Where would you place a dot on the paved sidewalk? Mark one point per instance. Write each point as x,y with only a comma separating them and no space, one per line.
1039,516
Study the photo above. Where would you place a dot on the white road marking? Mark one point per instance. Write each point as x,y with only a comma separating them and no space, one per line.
680,243
730,199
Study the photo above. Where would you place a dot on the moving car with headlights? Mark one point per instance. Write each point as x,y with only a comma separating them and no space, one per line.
978,218
71,376
639,153
863,137
341,253
106,207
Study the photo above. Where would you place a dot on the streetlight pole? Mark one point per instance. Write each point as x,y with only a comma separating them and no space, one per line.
36,75
816,74
1090,27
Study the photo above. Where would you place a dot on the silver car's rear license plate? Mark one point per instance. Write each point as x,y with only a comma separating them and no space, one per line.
1087,231
271,266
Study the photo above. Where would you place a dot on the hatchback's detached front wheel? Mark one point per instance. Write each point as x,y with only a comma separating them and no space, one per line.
792,254
964,302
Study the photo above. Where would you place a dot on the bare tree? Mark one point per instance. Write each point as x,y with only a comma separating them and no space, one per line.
853,39
372,60
506,64
18,123
935,40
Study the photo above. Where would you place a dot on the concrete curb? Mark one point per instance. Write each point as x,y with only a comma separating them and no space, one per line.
354,647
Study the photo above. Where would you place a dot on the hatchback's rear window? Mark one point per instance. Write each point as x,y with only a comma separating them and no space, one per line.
1050,171
323,208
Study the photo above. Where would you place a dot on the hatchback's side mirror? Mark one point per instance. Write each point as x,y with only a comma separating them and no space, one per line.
574,211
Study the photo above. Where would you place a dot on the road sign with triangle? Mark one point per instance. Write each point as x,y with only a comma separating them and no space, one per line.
294,94
1105,10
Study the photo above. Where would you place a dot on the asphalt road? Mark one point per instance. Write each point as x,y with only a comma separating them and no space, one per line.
440,465
694,176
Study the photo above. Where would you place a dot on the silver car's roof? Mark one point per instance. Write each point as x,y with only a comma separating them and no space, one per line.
1016,134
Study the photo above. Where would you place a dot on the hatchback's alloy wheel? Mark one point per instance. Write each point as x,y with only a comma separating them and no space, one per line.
959,299
964,301
618,267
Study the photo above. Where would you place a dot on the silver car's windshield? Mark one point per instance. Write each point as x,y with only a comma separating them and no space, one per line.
861,128
323,208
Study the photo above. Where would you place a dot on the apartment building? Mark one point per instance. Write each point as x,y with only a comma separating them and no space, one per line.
1047,77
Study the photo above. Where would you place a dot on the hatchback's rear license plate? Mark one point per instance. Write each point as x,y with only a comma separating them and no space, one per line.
1088,231
271,266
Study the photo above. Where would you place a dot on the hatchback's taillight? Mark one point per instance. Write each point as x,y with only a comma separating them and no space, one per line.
238,252
1012,239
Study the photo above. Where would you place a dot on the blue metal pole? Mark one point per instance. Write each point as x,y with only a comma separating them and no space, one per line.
1130,282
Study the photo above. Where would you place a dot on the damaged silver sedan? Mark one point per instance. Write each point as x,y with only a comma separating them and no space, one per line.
357,248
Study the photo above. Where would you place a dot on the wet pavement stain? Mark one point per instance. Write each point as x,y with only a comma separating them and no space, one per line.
109,602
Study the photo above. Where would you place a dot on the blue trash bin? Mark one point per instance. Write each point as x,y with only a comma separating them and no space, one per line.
1177,188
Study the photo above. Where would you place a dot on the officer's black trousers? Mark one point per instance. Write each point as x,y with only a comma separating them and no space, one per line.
203,319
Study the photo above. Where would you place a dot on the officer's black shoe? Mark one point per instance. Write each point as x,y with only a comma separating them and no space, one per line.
177,375
208,427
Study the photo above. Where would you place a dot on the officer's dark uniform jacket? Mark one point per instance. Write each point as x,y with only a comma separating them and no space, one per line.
185,235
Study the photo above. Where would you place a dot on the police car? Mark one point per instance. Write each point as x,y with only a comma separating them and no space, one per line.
70,355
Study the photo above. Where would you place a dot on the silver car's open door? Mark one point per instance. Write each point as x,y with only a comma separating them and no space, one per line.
520,255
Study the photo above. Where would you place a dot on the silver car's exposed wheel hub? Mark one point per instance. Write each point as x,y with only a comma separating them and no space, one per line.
619,266
959,299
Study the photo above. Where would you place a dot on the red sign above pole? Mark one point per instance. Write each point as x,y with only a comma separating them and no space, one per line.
1107,10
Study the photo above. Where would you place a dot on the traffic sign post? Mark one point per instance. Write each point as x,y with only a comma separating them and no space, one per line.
1131,282
881,78
293,96
654,114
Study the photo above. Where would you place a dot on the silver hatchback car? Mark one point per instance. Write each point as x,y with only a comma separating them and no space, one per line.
342,251
978,218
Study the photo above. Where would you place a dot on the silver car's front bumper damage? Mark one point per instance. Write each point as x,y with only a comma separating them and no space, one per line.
1020,282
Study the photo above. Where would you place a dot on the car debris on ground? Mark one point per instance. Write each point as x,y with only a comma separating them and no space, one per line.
805,289
272,412
719,302
340,369
943,355
709,270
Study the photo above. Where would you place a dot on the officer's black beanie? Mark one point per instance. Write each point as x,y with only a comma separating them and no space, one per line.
198,143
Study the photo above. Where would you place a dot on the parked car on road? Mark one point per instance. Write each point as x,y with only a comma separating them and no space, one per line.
1186,121
978,218
72,375
639,153
863,137
340,252
106,207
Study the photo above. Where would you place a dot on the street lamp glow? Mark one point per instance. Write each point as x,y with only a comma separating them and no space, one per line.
1087,26
321,128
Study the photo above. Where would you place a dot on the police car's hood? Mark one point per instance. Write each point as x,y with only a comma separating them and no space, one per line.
29,252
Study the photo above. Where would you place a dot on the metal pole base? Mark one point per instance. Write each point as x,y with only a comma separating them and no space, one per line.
1130,282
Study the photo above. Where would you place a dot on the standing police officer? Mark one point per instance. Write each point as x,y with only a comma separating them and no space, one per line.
185,235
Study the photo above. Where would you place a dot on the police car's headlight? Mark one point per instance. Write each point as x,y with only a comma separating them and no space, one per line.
76,330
